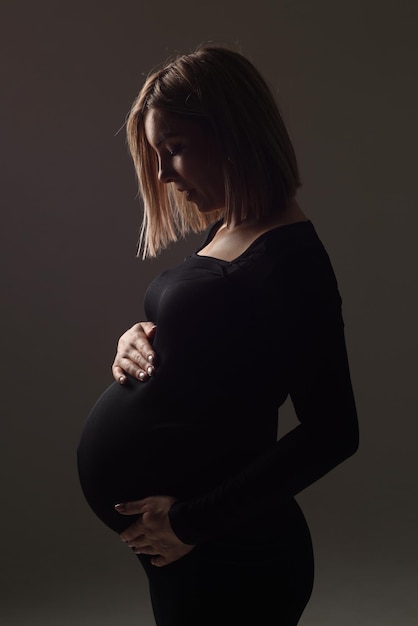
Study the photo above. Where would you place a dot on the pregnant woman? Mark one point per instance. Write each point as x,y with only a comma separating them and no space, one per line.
181,457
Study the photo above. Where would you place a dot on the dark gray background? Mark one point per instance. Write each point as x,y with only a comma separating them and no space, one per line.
345,73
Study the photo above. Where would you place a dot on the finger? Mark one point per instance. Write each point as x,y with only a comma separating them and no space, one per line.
130,508
125,365
160,561
149,329
167,555
146,550
134,535
119,374
143,357
141,337
135,358
134,354
137,542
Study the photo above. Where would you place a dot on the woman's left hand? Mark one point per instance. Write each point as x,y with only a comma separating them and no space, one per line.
151,533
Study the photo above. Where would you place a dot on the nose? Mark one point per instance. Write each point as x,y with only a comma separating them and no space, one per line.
165,172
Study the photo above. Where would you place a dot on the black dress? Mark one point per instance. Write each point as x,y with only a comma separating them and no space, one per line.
233,340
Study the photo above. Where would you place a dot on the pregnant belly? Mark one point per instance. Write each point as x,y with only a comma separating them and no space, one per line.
134,444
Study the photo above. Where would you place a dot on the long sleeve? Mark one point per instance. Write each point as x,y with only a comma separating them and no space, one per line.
320,387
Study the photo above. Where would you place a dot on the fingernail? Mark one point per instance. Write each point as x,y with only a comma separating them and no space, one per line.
122,379
141,375
150,370
120,507
151,359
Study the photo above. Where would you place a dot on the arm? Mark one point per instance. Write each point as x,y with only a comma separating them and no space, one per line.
321,391
318,380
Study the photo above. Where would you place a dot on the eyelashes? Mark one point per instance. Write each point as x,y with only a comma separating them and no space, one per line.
175,150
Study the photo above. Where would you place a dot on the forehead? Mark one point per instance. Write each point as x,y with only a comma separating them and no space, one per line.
157,126
161,125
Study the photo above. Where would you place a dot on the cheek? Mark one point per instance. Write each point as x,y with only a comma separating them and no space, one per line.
218,179
213,169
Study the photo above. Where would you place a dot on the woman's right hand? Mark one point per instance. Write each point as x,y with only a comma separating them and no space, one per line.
134,354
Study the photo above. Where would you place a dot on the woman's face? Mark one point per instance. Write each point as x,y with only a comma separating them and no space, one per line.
188,156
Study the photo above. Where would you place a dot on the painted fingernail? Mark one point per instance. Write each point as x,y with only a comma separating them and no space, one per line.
141,375
150,370
151,359
122,379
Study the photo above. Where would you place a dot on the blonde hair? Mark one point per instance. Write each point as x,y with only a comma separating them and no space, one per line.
223,90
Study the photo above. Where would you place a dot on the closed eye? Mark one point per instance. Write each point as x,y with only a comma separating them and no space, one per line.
175,150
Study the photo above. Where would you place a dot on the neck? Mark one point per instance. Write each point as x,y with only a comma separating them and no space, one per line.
290,213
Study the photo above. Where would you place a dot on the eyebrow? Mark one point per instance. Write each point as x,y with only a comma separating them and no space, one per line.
163,137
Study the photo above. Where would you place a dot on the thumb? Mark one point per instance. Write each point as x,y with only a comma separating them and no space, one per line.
149,329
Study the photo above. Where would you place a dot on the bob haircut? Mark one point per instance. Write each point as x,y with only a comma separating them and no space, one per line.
221,89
